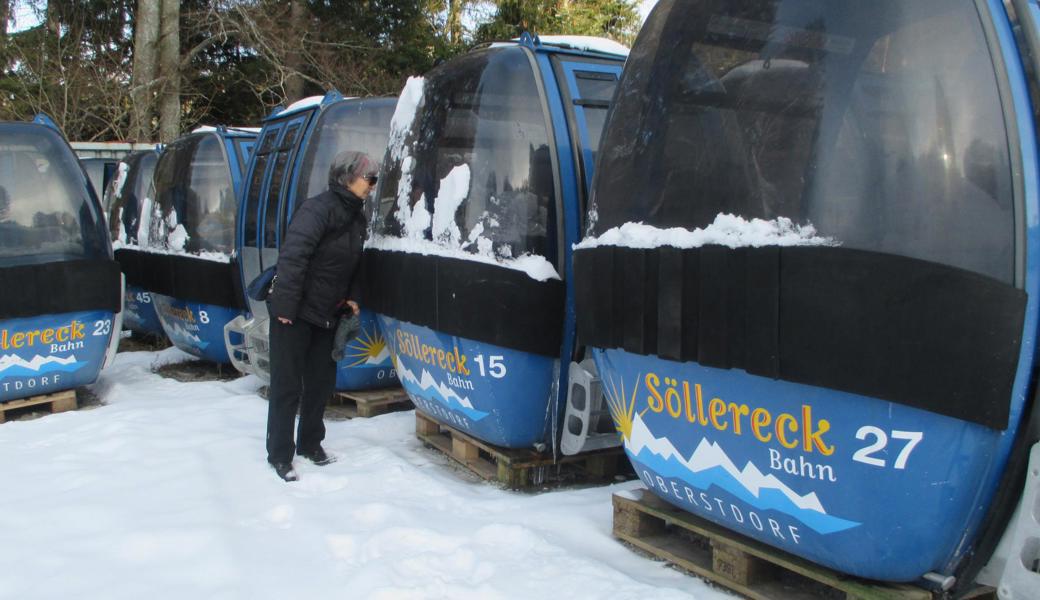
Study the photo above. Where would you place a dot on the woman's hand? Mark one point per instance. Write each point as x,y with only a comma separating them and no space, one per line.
354,307
285,321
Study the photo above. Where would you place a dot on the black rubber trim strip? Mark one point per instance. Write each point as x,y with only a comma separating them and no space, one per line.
478,301
60,287
908,331
183,277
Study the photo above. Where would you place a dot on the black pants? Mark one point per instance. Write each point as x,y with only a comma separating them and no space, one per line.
303,375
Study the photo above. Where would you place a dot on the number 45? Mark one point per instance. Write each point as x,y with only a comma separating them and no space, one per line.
863,455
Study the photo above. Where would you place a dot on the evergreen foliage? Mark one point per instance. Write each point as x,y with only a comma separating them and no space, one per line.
240,58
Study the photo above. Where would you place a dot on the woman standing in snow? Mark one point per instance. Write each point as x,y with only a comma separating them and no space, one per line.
317,264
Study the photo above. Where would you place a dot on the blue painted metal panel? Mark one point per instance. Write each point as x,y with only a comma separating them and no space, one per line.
865,486
195,328
367,362
481,389
50,353
139,312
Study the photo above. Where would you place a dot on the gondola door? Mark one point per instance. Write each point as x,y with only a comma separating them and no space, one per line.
249,255
261,206
274,207
586,89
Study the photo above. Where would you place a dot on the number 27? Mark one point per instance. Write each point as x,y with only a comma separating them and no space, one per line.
863,455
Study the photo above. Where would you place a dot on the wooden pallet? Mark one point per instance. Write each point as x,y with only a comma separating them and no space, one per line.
57,402
520,468
739,563
371,403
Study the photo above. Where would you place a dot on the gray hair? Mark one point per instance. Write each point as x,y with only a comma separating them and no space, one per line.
350,165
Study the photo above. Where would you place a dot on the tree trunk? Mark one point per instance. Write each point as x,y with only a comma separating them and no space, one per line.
455,9
169,70
143,89
5,15
294,59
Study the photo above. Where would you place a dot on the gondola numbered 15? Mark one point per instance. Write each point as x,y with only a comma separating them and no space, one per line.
291,164
481,198
811,276
60,310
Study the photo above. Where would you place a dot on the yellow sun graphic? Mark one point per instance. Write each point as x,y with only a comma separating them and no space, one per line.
365,346
621,406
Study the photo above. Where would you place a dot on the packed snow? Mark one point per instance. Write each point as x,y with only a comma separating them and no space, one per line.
171,237
536,267
303,103
211,129
164,492
726,230
586,43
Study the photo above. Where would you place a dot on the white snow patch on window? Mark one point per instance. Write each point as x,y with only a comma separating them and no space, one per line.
727,230
122,228
454,189
418,220
408,103
536,267
210,256
144,221
177,238
122,169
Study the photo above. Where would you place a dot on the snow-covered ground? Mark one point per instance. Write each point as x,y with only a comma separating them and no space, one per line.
164,493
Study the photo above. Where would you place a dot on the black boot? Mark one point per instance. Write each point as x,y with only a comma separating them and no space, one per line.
285,471
318,456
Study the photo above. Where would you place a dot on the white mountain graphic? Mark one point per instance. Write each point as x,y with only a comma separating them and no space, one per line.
709,455
179,332
8,361
426,381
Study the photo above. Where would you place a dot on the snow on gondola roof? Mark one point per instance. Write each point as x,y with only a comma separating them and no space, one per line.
229,129
586,43
581,43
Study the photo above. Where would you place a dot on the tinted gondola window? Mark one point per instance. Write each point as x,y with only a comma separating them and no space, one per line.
256,181
361,125
195,203
595,90
125,196
282,167
483,116
880,123
46,212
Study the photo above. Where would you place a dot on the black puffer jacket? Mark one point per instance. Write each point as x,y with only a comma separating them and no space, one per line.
319,257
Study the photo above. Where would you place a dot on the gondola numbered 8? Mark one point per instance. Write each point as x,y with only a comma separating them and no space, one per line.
482,196
185,240
296,148
811,273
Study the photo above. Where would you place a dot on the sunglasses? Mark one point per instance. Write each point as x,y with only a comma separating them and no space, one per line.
372,179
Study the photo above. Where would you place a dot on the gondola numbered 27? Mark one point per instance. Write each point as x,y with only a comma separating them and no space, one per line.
811,275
